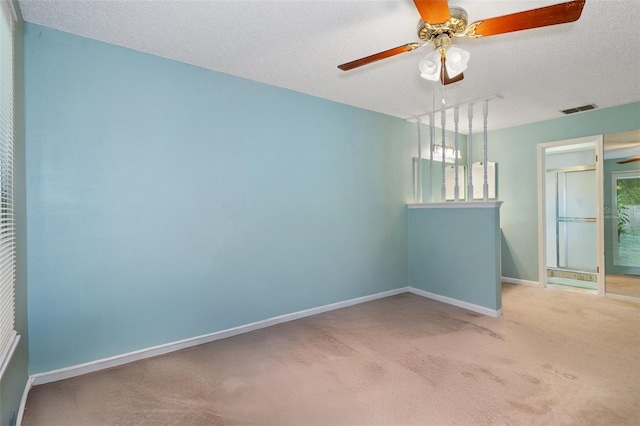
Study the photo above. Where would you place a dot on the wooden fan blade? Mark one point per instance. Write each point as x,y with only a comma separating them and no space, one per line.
433,11
444,75
378,56
535,18
629,160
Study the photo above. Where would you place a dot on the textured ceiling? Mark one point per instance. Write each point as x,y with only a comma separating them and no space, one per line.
298,44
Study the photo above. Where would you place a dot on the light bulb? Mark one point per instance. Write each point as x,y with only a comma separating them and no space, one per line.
456,61
430,66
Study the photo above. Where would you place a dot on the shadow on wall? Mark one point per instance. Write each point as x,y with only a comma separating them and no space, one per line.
508,258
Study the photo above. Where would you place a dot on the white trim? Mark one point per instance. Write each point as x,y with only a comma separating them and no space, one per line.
600,222
5,358
455,302
623,297
12,10
542,222
575,141
486,98
519,281
101,364
561,287
23,400
458,205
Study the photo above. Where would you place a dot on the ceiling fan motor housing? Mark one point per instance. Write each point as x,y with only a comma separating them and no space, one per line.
454,27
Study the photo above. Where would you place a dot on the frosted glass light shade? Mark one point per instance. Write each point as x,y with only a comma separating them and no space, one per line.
456,61
430,66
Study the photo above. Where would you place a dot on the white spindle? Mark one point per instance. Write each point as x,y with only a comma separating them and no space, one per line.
456,188
432,135
443,122
433,145
470,152
485,114
419,194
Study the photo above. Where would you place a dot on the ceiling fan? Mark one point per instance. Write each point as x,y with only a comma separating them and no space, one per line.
630,159
441,23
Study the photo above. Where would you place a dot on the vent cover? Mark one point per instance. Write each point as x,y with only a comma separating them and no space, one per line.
579,109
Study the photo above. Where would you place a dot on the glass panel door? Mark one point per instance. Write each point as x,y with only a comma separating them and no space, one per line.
571,213
626,204
577,209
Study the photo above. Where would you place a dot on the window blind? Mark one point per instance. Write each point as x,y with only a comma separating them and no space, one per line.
8,335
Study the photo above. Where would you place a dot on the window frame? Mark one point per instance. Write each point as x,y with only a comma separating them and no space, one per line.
9,337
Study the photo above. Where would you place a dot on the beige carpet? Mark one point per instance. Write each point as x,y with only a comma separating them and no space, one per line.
625,285
554,357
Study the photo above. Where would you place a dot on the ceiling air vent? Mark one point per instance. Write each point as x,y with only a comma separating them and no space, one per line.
579,109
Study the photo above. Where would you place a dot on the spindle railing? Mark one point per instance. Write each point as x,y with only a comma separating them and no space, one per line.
456,149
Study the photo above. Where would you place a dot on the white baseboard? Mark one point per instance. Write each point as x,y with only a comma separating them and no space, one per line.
23,400
622,297
519,281
101,364
459,303
567,288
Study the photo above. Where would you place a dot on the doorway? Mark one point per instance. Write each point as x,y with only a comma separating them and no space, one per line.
570,224
622,213
625,190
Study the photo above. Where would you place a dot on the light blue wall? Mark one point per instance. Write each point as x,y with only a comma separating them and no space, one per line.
15,377
515,151
455,252
166,201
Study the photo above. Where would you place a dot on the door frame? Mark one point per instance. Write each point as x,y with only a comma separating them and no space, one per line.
542,243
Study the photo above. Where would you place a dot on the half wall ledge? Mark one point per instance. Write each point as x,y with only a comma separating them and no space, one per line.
459,205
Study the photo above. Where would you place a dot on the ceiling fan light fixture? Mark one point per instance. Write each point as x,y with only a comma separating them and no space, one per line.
456,61
430,66
440,23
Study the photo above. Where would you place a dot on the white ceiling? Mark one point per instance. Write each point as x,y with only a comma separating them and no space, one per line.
297,44
622,144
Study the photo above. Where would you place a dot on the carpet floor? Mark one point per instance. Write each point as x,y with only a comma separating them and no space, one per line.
554,357
625,285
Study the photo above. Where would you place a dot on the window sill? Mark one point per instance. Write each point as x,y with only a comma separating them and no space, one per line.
5,358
